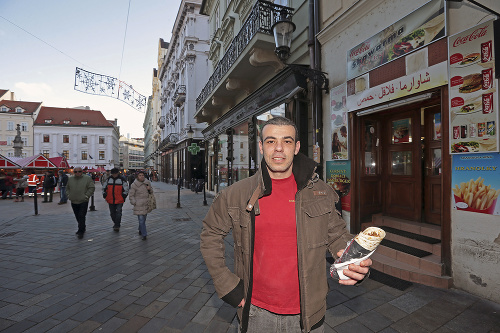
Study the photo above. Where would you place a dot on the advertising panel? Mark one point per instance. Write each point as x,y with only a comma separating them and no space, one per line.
338,176
339,135
473,91
476,183
422,27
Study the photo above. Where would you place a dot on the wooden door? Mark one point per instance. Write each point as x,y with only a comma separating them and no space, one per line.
402,181
432,173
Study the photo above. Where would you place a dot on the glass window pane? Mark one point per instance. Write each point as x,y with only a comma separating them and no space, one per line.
240,154
222,174
402,163
370,149
401,131
436,162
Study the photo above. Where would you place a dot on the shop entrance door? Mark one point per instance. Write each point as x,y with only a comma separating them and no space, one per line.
401,164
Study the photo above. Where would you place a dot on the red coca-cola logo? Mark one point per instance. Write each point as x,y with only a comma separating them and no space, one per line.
487,78
456,81
488,103
457,101
478,33
486,51
456,58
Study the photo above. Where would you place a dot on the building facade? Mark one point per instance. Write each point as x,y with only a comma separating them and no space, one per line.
412,83
83,136
149,128
249,84
182,74
13,113
131,154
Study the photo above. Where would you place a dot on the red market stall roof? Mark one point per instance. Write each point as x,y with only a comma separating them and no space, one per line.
61,162
35,162
6,163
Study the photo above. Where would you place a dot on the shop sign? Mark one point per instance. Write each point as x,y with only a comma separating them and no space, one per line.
339,129
422,27
431,77
338,176
475,181
473,91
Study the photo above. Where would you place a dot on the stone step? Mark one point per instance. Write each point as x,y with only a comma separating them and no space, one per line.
408,272
431,263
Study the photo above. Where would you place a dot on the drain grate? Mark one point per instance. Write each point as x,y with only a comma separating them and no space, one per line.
182,219
8,234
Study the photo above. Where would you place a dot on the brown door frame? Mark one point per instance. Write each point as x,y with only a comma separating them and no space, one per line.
441,96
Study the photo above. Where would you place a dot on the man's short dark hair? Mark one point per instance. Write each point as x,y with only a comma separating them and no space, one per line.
115,171
280,121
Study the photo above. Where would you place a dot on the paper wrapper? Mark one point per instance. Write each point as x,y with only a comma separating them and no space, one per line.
361,246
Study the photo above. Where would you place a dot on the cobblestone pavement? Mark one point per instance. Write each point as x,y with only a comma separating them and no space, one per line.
50,281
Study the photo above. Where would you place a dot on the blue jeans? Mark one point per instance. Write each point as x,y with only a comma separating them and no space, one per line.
64,197
142,224
261,320
115,211
80,211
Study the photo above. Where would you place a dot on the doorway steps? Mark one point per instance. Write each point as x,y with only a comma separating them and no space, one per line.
410,251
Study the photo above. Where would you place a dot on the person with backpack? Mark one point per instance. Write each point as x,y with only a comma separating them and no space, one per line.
115,192
49,183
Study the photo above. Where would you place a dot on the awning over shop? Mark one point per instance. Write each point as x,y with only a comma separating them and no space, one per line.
35,162
60,162
6,163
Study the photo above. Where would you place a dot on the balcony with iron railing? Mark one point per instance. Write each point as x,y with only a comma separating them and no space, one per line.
179,96
236,59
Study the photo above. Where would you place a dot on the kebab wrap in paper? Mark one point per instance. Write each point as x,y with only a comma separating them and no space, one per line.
358,249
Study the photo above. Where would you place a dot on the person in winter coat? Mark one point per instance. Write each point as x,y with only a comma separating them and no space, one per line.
21,185
283,220
80,188
63,181
49,183
138,196
115,192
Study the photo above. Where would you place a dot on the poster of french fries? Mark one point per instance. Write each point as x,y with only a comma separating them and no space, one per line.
476,183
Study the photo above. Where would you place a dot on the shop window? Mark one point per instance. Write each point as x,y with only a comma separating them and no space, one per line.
222,172
65,138
84,155
101,140
436,162
84,139
102,155
371,144
402,163
241,156
46,138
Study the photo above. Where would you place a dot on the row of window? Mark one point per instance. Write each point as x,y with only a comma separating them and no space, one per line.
10,140
65,139
84,154
6,109
11,126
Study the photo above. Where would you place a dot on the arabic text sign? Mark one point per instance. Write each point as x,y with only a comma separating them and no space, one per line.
473,91
421,27
434,76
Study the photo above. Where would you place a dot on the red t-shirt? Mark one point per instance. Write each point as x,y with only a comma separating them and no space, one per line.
275,267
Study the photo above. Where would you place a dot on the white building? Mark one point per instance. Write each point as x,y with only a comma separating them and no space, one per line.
12,113
83,136
131,153
183,74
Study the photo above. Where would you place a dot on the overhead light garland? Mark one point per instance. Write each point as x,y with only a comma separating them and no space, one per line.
98,84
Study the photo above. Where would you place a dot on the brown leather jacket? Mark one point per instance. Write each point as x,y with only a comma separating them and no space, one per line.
319,227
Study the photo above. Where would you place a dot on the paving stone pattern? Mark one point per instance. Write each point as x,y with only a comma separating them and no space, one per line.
50,281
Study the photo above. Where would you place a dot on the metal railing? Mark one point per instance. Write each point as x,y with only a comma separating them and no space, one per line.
261,19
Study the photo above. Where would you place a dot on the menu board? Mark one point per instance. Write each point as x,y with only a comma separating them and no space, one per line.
473,91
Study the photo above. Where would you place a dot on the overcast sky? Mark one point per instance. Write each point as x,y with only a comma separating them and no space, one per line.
82,33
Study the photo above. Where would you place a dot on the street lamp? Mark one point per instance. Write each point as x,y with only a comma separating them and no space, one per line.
190,132
283,30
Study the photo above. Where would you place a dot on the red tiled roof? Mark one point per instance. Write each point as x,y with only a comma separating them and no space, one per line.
3,92
28,107
71,117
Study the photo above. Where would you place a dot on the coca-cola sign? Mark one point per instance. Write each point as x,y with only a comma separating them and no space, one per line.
478,33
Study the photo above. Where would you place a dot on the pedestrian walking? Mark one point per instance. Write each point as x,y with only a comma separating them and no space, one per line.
131,177
21,184
79,189
63,182
115,192
139,194
104,177
33,182
9,186
49,183
3,187
283,221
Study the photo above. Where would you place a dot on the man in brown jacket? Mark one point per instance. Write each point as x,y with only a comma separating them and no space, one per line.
283,221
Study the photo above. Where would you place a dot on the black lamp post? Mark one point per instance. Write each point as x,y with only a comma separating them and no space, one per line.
283,31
